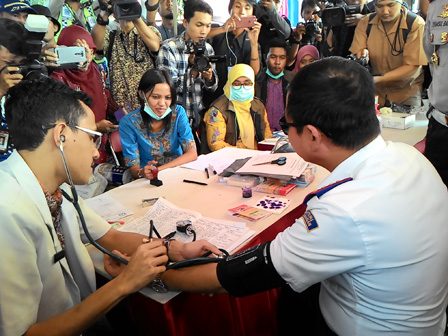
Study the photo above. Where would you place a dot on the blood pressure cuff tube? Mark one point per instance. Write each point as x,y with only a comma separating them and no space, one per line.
248,272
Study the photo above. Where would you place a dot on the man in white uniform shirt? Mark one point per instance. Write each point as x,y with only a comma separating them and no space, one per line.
375,234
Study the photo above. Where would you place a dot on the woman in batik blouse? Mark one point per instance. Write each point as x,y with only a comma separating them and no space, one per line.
158,133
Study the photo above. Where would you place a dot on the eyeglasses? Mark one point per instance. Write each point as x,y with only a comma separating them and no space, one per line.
247,85
94,135
285,125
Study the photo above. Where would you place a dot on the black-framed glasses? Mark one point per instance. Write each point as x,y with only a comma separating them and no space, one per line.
285,125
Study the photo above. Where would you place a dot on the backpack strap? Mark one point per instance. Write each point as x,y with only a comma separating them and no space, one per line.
410,18
369,25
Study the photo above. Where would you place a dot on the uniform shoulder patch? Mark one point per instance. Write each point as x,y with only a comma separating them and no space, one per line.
310,221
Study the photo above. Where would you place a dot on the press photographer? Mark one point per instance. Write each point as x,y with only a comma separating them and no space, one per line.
340,19
174,58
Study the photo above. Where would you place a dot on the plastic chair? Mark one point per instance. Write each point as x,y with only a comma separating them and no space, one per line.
115,146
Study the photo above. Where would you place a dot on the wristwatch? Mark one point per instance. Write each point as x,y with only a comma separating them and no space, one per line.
157,284
101,21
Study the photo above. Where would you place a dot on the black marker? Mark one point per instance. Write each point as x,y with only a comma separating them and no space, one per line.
195,182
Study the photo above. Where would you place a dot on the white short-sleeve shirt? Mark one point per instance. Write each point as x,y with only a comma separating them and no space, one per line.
380,248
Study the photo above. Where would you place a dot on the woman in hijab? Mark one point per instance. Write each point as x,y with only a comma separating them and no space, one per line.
237,118
87,77
158,133
306,55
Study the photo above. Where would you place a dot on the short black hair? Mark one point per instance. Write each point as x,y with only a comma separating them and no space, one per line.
192,6
278,43
32,107
308,3
251,3
12,35
337,96
149,80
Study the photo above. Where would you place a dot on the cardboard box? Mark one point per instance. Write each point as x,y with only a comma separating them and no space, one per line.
398,120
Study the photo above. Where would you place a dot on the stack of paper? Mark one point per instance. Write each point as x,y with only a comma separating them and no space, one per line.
293,167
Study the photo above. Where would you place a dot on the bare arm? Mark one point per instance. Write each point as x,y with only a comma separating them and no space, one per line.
254,50
402,73
201,278
151,15
98,32
149,37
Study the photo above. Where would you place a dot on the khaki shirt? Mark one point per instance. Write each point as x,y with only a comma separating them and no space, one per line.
382,60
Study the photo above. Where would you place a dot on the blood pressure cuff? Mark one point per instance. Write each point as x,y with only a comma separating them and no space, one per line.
248,272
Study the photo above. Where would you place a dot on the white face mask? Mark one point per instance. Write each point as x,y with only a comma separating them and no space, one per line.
151,113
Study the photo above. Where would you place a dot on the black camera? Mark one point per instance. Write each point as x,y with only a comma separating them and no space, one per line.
127,9
311,28
201,60
336,11
361,61
30,67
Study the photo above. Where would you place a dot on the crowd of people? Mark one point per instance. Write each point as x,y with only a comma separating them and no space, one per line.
192,87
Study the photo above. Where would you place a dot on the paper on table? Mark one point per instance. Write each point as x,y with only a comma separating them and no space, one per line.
223,234
108,208
203,161
294,166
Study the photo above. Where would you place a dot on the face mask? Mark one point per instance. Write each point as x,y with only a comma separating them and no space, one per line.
242,94
269,73
151,113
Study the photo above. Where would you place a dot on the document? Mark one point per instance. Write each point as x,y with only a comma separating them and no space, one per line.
293,167
221,233
109,209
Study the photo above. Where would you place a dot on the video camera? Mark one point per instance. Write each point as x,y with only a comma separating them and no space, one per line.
201,61
364,61
127,9
311,28
336,11
30,67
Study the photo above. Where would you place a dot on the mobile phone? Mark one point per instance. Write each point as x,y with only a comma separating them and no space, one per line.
70,57
246,22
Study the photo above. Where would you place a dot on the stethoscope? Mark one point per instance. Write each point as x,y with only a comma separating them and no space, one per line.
204,259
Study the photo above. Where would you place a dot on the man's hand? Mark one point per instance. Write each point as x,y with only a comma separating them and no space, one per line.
180,251
89,54
208,74
353,20
8,78
48,57
144,265
254,32
299,32
106,126
362,53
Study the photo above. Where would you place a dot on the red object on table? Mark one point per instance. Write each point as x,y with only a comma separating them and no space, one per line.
218,315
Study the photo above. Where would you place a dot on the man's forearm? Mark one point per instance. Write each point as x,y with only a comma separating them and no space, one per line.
201,279
80,317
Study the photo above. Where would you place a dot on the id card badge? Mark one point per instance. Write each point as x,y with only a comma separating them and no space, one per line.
4,140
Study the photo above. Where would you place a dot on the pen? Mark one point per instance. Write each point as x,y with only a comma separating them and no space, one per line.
206,171
195,182
212,169
151,227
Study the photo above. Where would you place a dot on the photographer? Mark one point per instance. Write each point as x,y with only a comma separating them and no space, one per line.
308,33
272,24
11,39
340,37
128,51
179,61
392,38
240,45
